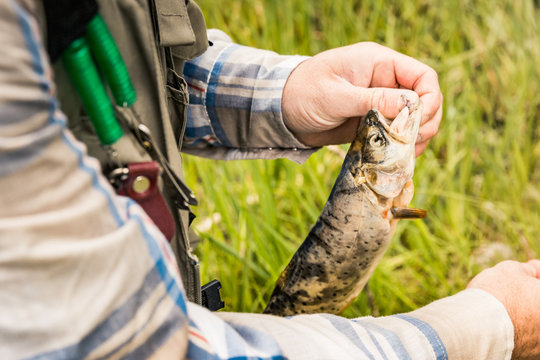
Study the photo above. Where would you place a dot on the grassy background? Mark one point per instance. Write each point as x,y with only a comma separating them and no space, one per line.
479,179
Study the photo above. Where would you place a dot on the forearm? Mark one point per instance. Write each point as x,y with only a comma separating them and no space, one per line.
469,325
472,325
235,103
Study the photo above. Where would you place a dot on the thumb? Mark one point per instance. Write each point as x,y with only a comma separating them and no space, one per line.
388,101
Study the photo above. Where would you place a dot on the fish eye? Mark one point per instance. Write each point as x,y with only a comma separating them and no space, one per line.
376,140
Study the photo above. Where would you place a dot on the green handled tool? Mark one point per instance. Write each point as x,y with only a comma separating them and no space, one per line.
79,58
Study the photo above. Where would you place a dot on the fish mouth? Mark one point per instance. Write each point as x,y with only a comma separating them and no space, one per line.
404,128
388,168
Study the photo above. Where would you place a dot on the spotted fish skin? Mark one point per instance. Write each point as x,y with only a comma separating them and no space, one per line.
342,249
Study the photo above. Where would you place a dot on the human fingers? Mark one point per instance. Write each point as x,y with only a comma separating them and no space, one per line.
419,148
430,128
515,267
382,67
506,274
427,88
512,268
419,77
357,101
486,274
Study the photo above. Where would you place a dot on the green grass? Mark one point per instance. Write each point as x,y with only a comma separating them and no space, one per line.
479,178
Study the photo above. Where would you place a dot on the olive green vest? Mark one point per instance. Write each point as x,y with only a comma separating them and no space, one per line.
155,37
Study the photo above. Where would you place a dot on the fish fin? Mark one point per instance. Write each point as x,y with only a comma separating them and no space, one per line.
349,302
408,213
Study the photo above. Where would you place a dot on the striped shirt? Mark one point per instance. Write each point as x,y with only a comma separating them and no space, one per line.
84,273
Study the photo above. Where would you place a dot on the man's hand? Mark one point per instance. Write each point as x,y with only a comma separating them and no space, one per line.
325,96
517,286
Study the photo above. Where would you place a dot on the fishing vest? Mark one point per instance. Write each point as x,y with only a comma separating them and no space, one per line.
154,37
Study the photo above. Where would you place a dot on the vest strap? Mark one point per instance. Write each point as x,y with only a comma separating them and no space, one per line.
140,183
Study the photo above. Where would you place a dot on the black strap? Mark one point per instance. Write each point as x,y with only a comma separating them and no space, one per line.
66,21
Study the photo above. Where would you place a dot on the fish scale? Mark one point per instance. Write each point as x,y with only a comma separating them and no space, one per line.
334,262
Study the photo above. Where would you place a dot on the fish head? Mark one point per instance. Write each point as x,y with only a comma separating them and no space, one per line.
386,156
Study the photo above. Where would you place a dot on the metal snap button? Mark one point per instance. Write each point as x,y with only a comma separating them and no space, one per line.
140,184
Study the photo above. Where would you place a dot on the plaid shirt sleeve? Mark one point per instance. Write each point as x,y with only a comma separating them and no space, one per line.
234,107
85,274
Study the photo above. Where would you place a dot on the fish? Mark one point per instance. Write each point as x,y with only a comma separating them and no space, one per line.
371,193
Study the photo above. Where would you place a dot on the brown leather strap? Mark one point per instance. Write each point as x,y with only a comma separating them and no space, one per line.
141,185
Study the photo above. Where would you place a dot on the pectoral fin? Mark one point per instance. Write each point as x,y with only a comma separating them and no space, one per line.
408,213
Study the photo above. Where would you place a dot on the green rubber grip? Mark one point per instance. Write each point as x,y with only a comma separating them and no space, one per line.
87,81
110,61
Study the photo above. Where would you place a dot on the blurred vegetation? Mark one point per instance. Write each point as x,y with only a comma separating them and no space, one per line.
479,178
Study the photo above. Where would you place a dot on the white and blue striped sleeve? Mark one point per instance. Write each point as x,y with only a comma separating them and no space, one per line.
469,325
234,107
84,273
